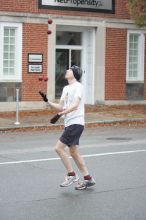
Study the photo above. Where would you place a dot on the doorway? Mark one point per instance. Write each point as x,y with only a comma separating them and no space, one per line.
65,58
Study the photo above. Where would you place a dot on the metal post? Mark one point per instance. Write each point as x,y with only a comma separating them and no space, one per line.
17,107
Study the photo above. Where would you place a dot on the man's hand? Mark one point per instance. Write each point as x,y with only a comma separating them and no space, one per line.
43,96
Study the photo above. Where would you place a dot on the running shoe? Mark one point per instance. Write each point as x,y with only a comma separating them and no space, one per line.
69,180
85,184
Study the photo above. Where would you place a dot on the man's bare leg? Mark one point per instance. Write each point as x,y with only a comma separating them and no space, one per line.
60,149
78,160
71,176
88,179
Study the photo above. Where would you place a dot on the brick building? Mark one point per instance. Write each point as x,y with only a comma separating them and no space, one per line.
97,35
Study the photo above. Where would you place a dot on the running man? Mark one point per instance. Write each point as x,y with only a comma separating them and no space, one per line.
71,107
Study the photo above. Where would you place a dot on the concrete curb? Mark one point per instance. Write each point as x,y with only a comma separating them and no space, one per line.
90,124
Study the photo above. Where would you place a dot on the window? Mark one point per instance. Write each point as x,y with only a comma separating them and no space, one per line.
135,57
68,38
11,52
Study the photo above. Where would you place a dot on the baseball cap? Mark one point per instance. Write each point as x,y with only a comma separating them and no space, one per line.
77,72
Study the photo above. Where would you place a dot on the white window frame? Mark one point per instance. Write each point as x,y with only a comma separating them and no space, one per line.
141,56
18,52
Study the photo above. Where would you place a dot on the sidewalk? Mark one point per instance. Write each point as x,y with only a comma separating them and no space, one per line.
94,116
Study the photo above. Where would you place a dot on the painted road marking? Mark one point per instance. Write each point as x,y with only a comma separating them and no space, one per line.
85,156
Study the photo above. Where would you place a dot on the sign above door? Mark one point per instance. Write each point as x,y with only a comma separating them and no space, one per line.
102,6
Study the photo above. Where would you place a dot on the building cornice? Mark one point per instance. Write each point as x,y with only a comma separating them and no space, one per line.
67,20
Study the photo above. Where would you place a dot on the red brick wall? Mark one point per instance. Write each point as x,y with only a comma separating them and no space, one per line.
32,7
35,40
19,5
121,9
115,71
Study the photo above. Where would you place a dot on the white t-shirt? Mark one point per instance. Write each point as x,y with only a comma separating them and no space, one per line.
70,92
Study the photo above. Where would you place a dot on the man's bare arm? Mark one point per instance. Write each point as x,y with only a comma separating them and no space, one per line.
58,106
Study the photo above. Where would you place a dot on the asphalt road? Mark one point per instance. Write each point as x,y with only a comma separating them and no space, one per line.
30,174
